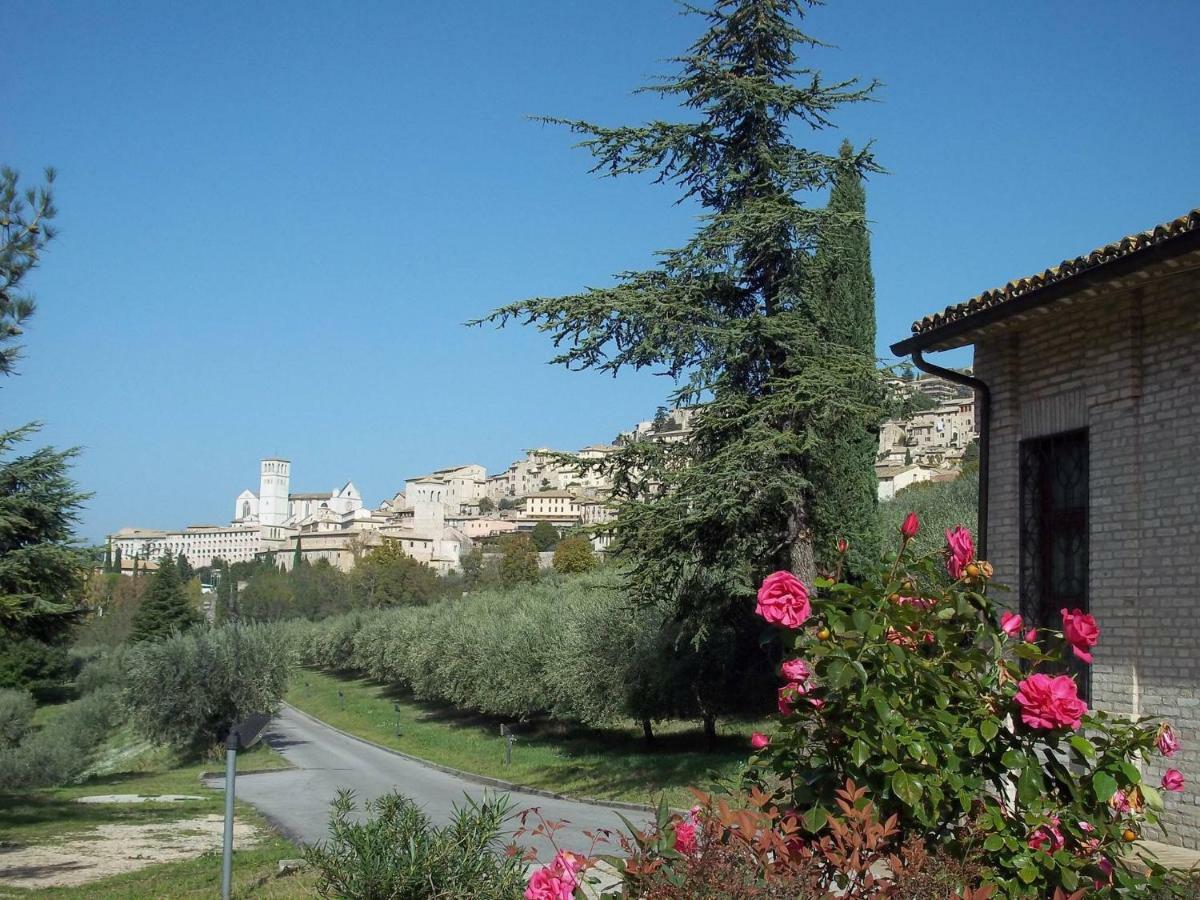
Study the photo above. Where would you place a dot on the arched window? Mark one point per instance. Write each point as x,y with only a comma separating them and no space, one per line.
245,509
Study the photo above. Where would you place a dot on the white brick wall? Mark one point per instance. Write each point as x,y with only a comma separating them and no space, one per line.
1127,367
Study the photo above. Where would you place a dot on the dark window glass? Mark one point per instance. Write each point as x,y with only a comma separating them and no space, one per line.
1054,534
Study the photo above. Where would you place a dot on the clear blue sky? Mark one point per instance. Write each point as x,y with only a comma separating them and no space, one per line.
276,216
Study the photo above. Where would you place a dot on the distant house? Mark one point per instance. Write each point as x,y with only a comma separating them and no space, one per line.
892,479
1090,452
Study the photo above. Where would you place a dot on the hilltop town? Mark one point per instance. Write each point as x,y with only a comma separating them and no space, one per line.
437,517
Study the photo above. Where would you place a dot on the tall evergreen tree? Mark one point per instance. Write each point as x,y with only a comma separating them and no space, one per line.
117,561
730,316
165,608
41,565
108,559
186,572
844,297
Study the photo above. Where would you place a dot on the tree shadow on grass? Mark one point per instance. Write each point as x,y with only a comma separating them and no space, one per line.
21,812
593,760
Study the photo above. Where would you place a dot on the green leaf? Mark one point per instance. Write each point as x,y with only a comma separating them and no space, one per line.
1069,877
815,819
989,729
1131,772
860,753
1153,797
1104,785
993,843
1014,759
1030,785
906,787
1083,746
1027,874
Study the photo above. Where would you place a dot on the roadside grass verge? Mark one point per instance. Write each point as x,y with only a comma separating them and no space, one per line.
52,816
604,764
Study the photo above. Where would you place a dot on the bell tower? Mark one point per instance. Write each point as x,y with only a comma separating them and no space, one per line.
274,482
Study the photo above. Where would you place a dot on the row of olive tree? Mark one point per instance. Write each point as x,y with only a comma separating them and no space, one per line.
570,647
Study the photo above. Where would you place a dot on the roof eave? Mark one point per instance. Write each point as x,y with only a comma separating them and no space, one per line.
960,332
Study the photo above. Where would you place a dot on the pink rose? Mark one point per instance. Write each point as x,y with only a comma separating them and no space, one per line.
796,670
816,702
1031,636
1081,632
1011,624
759,741
1106,867
1119,802
788,695
961,551
911,526
685,836
1050,702
1047,837
556,881
783,600
1167,741
1172,780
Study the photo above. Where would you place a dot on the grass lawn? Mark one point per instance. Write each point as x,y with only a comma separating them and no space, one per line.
52,816
607,764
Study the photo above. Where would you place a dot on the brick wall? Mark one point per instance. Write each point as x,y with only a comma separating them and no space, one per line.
1126,366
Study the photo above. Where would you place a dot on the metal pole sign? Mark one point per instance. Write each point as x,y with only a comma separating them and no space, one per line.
244,734
509,737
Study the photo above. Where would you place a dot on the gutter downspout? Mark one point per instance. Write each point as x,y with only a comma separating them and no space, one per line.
985,427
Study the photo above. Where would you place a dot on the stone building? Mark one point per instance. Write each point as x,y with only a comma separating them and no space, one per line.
200,544
1088,448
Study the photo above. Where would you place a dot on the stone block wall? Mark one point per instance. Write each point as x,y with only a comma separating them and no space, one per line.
1125,366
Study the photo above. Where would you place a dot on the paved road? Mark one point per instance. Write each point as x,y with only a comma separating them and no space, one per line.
297,800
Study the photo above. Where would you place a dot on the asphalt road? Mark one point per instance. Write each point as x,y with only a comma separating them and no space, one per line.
297,800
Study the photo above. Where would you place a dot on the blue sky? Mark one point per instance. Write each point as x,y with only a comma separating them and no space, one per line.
276,216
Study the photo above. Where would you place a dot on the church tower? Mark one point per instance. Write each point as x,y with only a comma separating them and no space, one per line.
273,484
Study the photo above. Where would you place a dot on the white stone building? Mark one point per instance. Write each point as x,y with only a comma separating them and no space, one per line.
275,504
200,544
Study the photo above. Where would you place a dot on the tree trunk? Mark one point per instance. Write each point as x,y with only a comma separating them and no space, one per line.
710,730
648,731
801,560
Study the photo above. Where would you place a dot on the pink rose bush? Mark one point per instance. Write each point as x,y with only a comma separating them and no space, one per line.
1050,703
948,709
1081,632
759,741
960,551
1172,780
783,600
1011,624
556,881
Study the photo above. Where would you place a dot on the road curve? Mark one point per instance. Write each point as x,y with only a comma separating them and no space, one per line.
297,800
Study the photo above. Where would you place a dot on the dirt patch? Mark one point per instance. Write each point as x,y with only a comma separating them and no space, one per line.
137,798
115,849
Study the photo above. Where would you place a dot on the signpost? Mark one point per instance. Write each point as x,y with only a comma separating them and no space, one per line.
244,734
509,737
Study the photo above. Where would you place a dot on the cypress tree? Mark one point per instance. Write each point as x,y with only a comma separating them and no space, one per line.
844,298
731,317
117,561
186,572
108,559
164,608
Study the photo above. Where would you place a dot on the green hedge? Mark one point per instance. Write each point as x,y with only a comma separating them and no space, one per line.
567,646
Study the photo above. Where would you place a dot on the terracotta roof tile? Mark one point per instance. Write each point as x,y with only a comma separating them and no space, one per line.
1067,269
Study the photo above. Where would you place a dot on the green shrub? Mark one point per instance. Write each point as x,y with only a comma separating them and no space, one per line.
939,505
189,689
397,853
569,646
16,714
63,749
99,670
26,662
574,555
